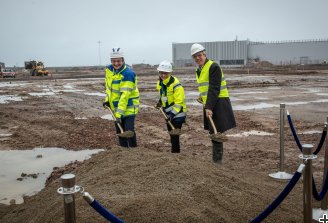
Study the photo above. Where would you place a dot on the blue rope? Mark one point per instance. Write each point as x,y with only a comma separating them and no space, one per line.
299,145
322,140
323,192
281,196
105,213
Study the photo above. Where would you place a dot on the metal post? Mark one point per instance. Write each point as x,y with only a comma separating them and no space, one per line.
319,212
307,156
68,189
282,136
281,175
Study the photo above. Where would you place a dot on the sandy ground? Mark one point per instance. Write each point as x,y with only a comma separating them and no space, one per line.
148,183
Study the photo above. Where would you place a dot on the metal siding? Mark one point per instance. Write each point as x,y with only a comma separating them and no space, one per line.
277,53
289,52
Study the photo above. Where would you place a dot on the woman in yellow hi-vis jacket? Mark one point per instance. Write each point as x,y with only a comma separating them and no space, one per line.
122,95
213,91
172,99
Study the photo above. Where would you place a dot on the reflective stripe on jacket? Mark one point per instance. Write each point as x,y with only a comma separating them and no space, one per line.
203,82
172,96
122,91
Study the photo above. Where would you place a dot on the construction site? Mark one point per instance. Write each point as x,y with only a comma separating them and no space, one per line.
149,183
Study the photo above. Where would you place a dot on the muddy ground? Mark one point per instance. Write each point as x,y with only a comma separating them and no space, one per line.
148,183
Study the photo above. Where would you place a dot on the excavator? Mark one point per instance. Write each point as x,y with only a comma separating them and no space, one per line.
36,68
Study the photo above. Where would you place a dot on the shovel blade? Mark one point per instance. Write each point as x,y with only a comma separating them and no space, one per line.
175,132
126,134
219,137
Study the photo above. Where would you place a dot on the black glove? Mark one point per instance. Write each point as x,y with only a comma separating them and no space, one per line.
170,115
118,121
106,104
158,105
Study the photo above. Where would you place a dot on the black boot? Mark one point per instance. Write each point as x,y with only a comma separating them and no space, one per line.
175,141
217,152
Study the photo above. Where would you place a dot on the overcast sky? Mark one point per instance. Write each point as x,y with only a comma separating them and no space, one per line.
66,32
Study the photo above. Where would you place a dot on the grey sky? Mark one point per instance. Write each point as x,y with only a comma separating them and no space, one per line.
65,32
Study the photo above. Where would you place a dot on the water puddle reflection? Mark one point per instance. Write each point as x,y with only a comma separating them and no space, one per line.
37,164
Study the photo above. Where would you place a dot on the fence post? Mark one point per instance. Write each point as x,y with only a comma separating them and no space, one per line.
281,175
307,156
68,189
319,212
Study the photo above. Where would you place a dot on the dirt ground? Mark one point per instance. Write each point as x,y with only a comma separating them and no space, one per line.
148,183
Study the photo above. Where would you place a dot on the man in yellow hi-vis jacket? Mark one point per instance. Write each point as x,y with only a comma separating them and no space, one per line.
122,95
172,99
214,94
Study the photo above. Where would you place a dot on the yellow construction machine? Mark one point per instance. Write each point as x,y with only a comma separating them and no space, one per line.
36,68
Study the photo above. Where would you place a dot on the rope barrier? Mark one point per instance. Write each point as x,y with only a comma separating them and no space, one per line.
100,209
321,195
282,195
299,145
322,140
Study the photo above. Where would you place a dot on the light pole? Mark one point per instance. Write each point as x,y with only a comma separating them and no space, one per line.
99,42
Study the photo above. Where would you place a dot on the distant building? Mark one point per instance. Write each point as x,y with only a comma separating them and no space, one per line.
2,65
240,52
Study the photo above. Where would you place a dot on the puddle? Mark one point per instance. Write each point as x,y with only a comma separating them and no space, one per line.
108,117
266,105
192,93
256,106
310,132
80,118
145,106
15,162
4,99
252,132
96,94
251,92
194,103
40,94
9,84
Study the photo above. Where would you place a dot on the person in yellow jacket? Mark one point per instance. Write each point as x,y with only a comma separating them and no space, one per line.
214,94
172,99
122,95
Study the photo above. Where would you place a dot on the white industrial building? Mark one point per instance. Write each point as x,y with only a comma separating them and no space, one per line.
240,52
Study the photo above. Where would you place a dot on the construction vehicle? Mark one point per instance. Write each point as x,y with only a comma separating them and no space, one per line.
36,68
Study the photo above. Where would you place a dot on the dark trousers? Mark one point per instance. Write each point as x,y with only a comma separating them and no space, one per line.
127,124
175,139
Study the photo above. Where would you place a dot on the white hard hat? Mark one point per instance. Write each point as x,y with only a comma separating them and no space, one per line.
196,48
116,53
165,66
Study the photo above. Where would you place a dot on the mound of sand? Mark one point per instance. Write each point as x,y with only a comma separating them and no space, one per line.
142,185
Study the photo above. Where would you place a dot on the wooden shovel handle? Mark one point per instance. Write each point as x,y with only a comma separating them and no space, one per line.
212,123
112,113
166,118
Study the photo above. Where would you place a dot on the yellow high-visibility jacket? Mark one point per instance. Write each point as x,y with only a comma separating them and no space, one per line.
203,82
172,96
122,91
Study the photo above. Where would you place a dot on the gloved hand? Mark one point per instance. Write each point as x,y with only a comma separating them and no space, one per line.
106,104
170,115
158,105
118,121
200,100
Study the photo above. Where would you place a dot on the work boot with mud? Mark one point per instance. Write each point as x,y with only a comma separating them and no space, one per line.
217,152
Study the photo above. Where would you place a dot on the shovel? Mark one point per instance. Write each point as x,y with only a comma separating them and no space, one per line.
216,136
174,131
126,134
